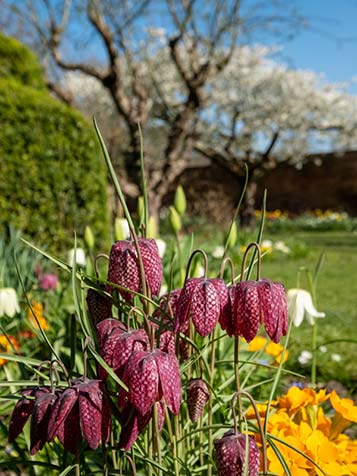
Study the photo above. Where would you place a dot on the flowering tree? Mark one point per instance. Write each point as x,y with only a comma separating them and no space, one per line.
198,44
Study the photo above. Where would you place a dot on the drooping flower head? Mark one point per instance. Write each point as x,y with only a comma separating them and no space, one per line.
99,306
151,376
259,302
9,305
202,300
124,266
231,454
197,396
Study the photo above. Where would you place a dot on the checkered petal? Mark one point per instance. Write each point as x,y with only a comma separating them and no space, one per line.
60,411
170,379
99,306
124,266
142,378
90,399
152,264
22,411
274,308
69,431
205,308
40,417
230,455
247,310
106,327
125,345
182,317
197,397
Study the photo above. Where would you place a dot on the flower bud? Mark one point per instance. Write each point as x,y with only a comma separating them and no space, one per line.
151,232
180,201
140,208
89,237
121,229
175,220
232,236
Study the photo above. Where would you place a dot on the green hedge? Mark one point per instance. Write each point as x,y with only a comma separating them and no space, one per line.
18,62
52,178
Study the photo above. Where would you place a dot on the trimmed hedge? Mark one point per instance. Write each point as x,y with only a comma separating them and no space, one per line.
18,62
52,178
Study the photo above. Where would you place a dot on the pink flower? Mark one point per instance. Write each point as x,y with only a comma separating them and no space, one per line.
259,302
48,282
124,266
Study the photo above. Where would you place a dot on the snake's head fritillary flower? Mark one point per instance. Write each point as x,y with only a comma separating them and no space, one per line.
99,306
9,305
300,305
231,455
197,397
124,266
201,300
40,417
118,344
22,411
151,376
260,302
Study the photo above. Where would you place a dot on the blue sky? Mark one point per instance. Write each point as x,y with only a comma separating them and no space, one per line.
329,44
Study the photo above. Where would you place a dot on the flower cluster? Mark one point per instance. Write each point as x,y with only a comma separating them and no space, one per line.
307,437
143,348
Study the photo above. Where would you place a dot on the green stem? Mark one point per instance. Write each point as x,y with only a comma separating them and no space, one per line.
210,404
314,355
156,437
237,380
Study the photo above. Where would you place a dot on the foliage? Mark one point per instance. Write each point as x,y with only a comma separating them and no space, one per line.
296,435
55,182
20,63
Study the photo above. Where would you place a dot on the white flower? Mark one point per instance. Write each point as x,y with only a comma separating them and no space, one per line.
323,349
163,290
266,244
218,252
161,244
282,247
300,304
336,357
9,305
76,255
305,357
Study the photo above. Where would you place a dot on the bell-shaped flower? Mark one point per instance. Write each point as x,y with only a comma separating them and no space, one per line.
99,306
151,376
259,302
9,305
78,256
300,305
202,300
231,455
197,396
124,266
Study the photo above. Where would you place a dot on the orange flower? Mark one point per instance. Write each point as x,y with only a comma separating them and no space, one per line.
297,398
346,413
276,351
7,345
37,309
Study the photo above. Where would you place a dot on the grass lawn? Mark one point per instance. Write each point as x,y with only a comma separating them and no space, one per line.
336,294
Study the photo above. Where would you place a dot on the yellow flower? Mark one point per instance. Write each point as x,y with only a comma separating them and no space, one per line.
8,347
297,398
37,309
257,344
276,350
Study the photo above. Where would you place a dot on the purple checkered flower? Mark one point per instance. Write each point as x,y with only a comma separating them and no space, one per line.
231,457
197,397
259,302
202,300
151,376
124,266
